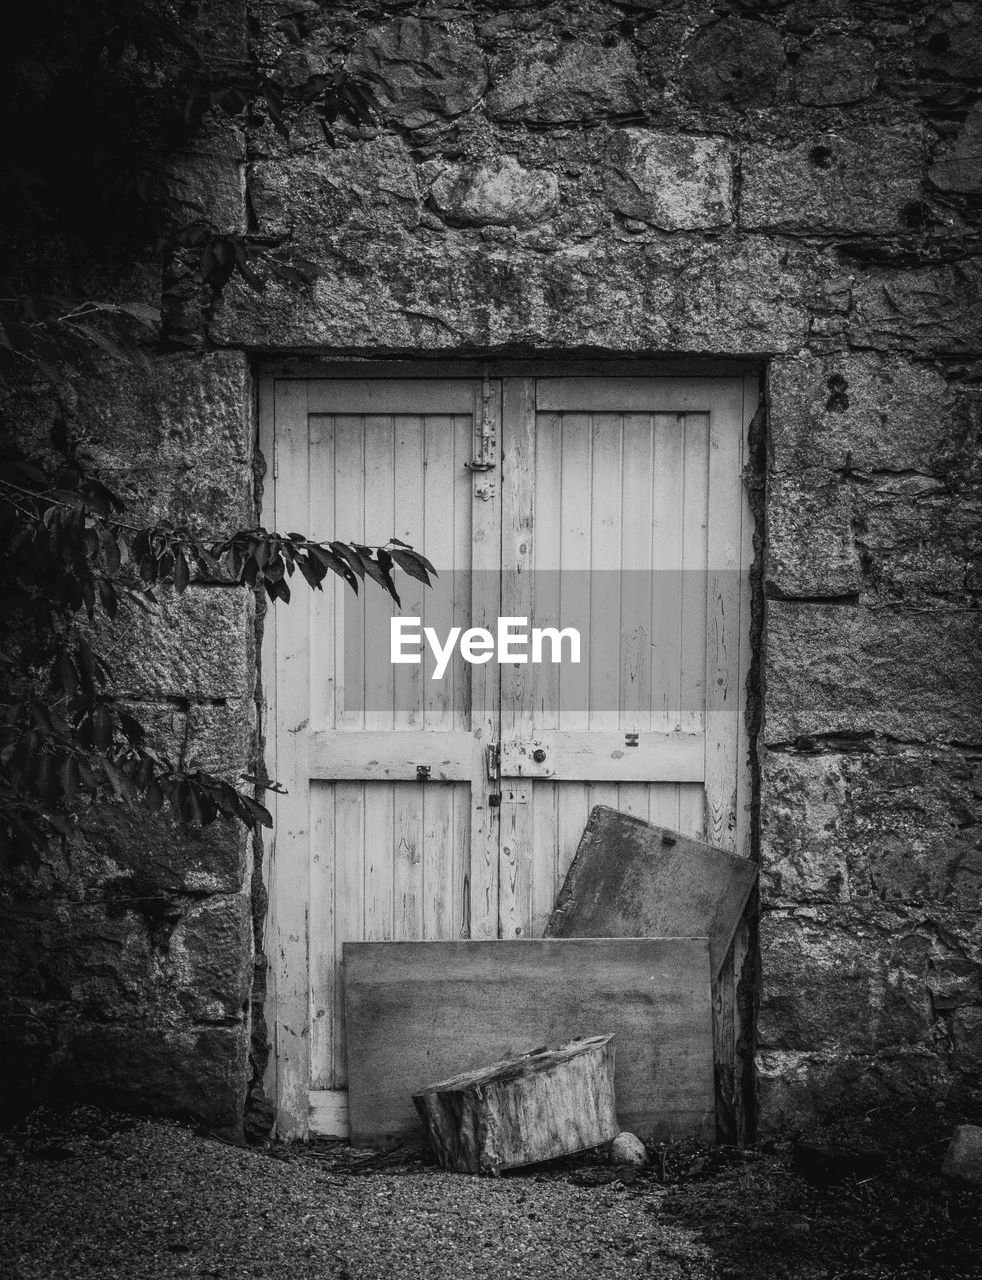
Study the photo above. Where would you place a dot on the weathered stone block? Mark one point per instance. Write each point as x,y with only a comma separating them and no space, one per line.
835,71
131,957
950,42
960,167
917,537
555,81
217,739
857,180
118,850
932,311
211,954
835,669
199,1074
913,818
963,1159
811,545
735,63
173,408
499,193
673,181
198,646
954,983
366,186
796,1087
719,296
966,1034
865,413
895,824
211,187
176,434
221,30
805,833
80,954
843,981
427,71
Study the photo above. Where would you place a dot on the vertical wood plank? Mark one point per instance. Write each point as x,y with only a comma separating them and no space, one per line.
740,1051
377,868
349,524
606,564
378,480
322,941
462,578
349,899
437,536
637,580
545,875
408,461
694,552
724,696
573,806
407,855
437,861
325,672
290,888
723,548
460,899
485,705
575,530
516,681
669,534
751,400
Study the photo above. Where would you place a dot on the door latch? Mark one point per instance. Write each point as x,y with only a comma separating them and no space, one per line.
423,773
484,430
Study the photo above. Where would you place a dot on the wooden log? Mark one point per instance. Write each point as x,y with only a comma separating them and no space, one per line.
539,1105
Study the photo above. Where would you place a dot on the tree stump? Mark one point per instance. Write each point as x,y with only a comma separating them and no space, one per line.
542,1104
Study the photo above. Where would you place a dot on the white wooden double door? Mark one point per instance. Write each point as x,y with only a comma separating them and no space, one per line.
419,808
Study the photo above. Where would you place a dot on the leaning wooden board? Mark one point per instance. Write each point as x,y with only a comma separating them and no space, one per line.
417,1012
631,879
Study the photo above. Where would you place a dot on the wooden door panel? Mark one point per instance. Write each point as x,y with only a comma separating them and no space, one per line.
389,853
624,517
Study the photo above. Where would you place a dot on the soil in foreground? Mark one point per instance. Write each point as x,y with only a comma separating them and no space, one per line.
86,1193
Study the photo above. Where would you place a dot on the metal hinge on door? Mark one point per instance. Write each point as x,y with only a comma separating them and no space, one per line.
484,430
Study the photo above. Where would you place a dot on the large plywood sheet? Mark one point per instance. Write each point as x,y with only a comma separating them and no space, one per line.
633,879
417,1012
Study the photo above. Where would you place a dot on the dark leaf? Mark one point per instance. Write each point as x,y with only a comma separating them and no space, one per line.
70,776
182,574
412,564
107,596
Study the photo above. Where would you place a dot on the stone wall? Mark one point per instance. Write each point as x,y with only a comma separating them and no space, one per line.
127,959
796,183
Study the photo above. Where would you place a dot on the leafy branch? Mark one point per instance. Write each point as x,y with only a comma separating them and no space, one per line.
68,551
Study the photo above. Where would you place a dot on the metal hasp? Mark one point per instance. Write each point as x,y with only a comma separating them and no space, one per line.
485,441
422,773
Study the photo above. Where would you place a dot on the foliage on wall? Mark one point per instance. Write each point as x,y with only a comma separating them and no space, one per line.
101,95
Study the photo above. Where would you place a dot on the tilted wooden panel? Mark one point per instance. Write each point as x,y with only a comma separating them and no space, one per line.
417,1012
632,879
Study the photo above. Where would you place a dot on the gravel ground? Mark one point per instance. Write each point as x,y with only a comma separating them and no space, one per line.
88,1194
154,1199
